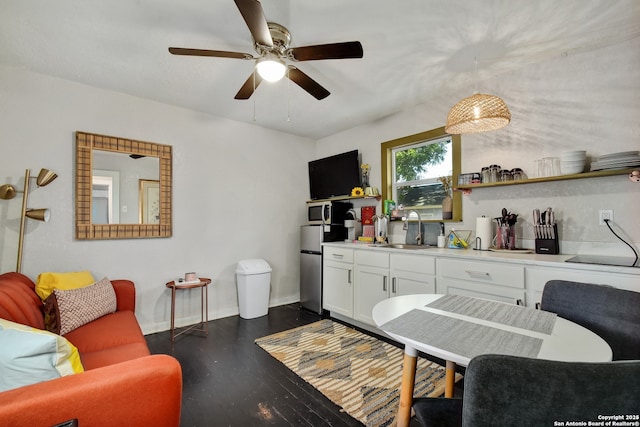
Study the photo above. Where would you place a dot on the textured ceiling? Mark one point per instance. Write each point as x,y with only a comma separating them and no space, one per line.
414,50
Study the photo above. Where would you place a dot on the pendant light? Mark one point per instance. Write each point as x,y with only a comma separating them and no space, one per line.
479,112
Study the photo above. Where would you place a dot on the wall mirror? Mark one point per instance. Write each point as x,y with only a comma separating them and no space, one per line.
123,188
412,168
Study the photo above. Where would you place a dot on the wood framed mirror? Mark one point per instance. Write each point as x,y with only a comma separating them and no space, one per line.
106,166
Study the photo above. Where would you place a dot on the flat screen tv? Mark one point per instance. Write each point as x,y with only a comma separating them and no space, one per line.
334,176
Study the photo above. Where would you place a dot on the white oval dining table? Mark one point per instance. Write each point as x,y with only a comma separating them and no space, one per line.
567,341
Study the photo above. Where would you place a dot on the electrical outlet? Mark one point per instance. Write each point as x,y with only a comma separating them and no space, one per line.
605,214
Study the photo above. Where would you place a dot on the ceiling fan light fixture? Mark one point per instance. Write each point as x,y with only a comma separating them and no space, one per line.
271,68
478,113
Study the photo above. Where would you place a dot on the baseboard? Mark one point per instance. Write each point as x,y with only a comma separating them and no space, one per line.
190,320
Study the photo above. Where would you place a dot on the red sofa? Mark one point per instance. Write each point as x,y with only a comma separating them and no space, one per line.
123,384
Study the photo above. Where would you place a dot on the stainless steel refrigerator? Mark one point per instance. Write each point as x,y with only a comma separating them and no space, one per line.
311,239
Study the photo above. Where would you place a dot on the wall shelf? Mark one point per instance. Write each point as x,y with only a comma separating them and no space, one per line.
338,198
548,179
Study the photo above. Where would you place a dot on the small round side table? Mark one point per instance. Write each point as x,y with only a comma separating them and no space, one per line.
202,283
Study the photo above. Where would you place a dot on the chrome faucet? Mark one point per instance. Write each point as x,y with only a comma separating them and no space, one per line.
419,239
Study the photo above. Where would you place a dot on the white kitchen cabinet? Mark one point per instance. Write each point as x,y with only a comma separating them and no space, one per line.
538,276
372,283
481,279
412,274
357,277
337,280
380,275
371,287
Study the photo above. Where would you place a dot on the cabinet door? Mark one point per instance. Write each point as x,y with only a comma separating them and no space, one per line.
371,287
409,283
337,287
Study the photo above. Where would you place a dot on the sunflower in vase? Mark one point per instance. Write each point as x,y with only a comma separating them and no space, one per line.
357,192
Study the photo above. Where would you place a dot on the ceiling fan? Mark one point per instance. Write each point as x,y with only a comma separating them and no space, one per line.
271,42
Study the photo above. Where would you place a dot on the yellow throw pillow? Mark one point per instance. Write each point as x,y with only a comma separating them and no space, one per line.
47,282
30,356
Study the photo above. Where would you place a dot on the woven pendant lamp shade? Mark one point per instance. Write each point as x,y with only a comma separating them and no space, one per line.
478,113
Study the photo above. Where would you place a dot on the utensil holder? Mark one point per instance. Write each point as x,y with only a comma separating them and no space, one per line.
549,246
505,237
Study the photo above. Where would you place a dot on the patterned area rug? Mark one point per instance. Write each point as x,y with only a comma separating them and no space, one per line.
357,372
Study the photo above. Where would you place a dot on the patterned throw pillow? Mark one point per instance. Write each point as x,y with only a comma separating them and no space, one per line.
66,310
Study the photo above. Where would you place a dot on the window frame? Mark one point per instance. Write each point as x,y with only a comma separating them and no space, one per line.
386,157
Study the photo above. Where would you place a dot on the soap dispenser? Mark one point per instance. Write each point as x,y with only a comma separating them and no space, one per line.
441,237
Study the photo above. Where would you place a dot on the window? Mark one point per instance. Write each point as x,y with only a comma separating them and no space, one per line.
412,170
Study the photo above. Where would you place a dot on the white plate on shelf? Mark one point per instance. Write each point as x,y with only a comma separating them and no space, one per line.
618,165
618,155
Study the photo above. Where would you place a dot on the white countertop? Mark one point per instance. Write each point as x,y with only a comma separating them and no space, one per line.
471,254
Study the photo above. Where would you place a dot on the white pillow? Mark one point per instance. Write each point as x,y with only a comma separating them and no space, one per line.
29,355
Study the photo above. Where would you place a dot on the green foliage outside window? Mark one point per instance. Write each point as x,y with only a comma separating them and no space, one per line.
411,163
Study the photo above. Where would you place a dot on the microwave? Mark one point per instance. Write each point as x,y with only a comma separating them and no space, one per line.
327,212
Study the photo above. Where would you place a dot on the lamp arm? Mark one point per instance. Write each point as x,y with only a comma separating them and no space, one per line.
23,212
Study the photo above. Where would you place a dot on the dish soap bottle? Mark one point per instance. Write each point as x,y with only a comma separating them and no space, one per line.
441,237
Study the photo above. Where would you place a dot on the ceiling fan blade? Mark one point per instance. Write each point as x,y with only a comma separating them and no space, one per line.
249,86
205,52
253,15
326,51
307,83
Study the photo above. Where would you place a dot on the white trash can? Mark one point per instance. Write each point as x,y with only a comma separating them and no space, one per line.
254,282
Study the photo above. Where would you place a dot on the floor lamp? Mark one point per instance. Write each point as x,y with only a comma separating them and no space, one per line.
8,191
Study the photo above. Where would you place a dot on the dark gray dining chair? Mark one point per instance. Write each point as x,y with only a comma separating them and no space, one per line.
612,313
517,391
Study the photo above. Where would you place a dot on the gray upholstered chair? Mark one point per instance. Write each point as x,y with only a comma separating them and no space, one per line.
612,313
516,391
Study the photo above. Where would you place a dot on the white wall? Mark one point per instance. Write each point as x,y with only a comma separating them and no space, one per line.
586,101
234,197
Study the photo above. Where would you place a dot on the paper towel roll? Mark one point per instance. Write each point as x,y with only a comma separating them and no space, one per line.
484,230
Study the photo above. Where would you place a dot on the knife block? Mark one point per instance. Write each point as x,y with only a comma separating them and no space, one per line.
549,246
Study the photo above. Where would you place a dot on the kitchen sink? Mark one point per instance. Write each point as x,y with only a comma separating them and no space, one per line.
401,246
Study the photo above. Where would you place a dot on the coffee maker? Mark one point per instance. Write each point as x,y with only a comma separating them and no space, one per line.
352,224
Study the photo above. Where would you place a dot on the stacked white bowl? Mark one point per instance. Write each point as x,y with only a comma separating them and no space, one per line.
573,161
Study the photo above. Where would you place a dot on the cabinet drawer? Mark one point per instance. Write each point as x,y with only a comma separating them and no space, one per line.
415,263
484,272
373,258
537,277
482,290
337,254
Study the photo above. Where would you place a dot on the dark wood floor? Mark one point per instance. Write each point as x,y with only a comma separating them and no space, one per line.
229,381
